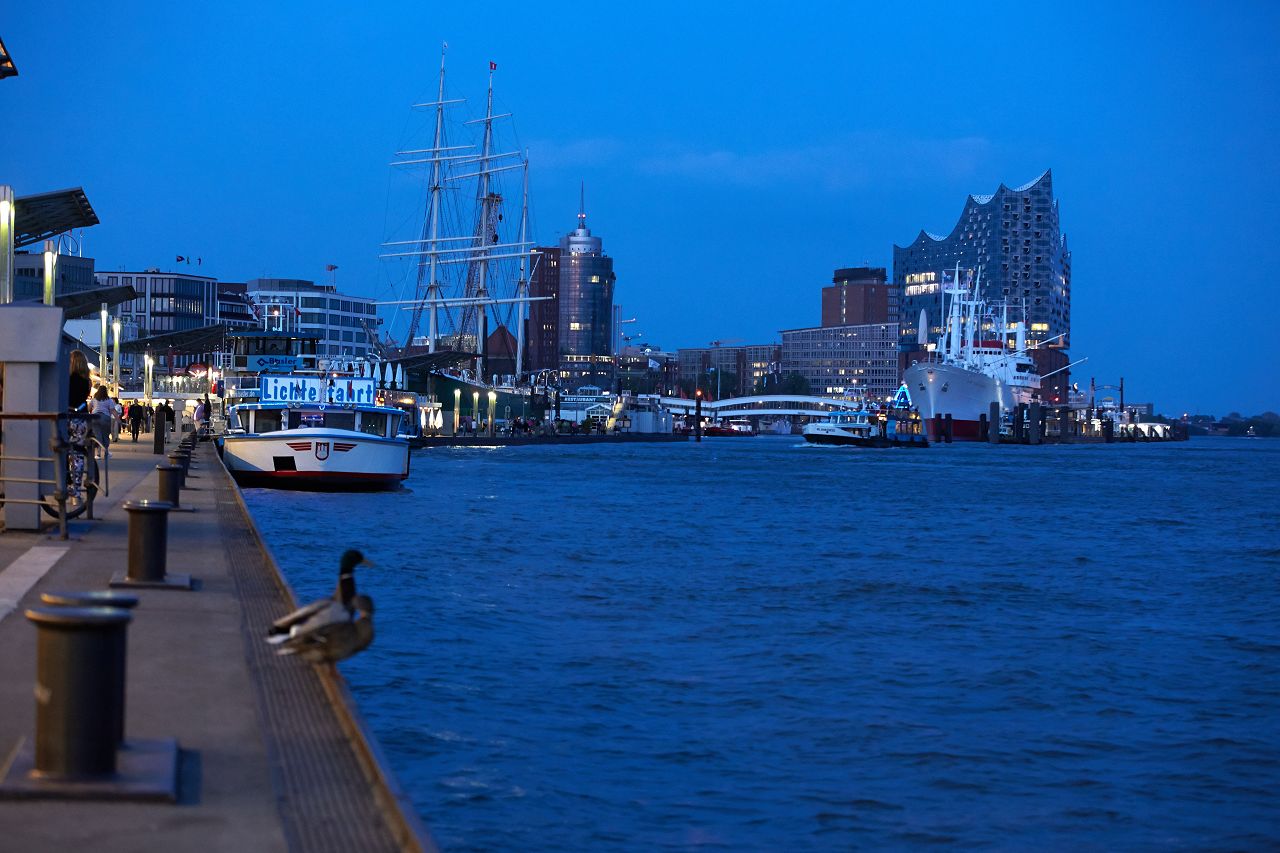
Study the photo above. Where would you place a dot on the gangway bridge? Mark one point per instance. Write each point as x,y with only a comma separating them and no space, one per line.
761,405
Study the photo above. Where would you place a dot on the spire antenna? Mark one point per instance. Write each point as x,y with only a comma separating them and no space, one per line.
582,204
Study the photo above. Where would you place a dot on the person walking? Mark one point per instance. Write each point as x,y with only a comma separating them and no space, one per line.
135,419
168,425
103,411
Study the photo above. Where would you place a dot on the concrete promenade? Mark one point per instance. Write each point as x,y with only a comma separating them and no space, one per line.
274,755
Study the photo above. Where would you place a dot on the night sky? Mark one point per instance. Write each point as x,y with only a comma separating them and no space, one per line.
733,157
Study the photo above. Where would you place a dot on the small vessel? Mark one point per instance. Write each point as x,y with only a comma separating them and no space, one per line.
300,423
869,428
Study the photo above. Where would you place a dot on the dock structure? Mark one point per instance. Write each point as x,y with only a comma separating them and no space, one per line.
273,754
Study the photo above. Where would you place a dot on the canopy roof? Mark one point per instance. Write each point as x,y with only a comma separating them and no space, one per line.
7,68
39,217
88,302
190,342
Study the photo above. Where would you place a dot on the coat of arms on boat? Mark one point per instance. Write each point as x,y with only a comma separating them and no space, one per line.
322,450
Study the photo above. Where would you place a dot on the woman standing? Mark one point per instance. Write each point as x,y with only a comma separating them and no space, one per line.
78,383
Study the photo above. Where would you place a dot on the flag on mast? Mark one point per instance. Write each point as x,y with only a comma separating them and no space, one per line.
493,66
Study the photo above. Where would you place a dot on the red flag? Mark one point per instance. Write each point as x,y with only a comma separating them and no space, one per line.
180,259
493,66
331,268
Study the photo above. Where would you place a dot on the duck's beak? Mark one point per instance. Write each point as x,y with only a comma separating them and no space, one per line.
366,562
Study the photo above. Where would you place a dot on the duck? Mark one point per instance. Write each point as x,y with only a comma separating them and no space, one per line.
339,607
334,641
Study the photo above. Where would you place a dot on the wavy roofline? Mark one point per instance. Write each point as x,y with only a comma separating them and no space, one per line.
981,200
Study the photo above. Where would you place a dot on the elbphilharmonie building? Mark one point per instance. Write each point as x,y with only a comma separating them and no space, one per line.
1013,235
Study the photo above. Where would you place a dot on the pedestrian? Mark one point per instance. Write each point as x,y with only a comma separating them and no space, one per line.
168,425
135,419
103,411
78,381
117,418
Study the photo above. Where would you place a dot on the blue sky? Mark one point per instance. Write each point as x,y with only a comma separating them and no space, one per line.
734,155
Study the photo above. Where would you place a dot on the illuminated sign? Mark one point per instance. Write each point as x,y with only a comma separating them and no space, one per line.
273,363
316,389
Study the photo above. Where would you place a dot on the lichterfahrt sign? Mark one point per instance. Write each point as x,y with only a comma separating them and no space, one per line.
316,389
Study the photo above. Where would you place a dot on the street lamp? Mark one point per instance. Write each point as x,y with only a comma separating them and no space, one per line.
147,362
475,404
102,348
50,267
493,404
457,408
115,355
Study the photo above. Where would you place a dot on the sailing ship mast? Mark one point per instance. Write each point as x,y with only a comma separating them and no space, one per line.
479,250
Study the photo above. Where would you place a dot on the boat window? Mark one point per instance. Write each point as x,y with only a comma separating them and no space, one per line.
266,420
373,423
340,420
304,420
1024,368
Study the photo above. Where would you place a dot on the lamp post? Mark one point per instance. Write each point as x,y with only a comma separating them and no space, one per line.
7,216
147,362
475,405
115,354
493,407
102,347
457,408
50,267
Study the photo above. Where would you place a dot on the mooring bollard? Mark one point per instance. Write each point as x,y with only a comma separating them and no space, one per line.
175,460
119,601
148,539
76,649
148,548
169,488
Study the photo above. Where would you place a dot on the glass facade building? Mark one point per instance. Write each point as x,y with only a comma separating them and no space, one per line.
1014,236
585,315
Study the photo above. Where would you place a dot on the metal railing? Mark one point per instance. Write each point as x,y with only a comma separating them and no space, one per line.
60,448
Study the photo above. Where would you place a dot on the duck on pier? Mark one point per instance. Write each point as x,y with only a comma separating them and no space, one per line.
334,641
320,616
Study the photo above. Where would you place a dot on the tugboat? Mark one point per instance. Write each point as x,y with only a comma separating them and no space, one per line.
300,426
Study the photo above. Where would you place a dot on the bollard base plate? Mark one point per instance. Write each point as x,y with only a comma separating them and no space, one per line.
172,580
145,770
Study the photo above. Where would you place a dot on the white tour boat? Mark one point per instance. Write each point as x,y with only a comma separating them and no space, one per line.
309,428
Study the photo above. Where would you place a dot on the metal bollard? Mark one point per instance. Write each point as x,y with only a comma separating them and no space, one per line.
119,601
75,667
148,539
184,459
175,460
169,490
148,548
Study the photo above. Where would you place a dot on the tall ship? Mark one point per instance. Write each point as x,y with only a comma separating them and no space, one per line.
297,421
464,271
979,359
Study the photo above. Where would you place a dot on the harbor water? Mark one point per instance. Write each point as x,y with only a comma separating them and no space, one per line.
757,644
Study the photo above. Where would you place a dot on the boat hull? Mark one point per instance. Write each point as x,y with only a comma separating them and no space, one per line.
815,435
965,395
321,459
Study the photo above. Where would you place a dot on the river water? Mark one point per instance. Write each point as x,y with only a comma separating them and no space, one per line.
751,644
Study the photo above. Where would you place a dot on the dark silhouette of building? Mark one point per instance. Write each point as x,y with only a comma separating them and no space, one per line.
856,296
542,338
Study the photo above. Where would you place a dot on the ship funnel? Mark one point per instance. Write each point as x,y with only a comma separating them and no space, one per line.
922,336
1020,332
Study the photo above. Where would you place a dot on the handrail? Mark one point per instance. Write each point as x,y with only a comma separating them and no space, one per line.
58,446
